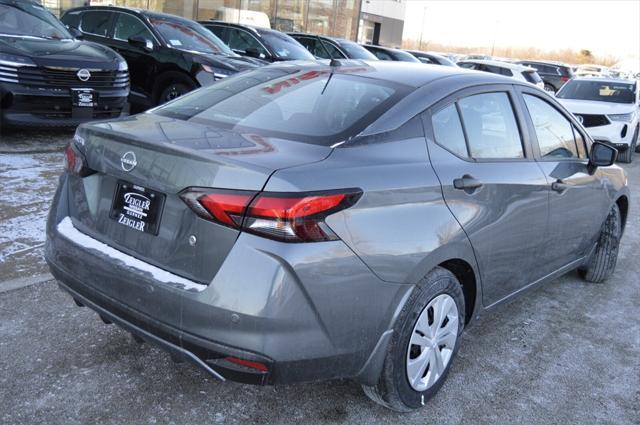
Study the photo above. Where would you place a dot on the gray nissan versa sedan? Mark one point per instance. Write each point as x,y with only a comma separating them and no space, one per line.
304,221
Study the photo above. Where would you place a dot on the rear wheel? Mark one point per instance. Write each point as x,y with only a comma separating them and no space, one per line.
425,341
549,88
602,262
174,90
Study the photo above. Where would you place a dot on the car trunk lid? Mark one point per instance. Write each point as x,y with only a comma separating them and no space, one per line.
155,158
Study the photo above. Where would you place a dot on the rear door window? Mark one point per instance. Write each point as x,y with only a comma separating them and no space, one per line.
554,132
448,132
96,22
491,126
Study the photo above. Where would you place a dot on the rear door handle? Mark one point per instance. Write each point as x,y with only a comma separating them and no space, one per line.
466,183
559,187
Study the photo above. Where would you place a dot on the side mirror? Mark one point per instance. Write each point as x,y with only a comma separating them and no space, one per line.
602,155
141,42
75,33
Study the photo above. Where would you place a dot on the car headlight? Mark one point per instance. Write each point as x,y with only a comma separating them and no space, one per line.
123,66
15,61
622,117
217,72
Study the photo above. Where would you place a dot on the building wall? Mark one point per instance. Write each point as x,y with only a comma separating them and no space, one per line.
329,17
387,16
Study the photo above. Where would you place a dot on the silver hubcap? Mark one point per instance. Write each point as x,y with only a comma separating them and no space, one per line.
432,341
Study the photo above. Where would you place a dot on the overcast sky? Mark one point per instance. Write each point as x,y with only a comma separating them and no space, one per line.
604,27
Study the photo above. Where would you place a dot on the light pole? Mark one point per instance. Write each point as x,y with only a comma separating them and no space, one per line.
424,14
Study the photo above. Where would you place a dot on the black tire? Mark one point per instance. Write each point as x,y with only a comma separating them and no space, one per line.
393,389
626,156
602,262
172,85
635,139
549,88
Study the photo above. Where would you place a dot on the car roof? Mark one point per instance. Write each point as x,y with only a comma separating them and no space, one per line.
145,12
501,64
605,79
254,29
543,62
405,73
382,47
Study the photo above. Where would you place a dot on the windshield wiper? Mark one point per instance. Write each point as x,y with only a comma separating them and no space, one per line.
36,37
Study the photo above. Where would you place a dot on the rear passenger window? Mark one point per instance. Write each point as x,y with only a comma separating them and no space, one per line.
96,23
448,132
491,126
553,130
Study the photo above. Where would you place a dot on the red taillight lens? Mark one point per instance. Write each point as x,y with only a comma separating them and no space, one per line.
564,79
75,163
226,207
288,217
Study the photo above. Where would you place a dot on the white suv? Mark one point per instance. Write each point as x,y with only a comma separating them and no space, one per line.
519,72
608,108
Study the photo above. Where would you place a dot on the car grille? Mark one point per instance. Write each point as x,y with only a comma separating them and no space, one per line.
589,120
61,78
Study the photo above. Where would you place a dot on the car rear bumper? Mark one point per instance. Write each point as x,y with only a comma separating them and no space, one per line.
305,311
30,107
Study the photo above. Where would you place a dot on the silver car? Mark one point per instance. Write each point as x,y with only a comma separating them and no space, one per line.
306,222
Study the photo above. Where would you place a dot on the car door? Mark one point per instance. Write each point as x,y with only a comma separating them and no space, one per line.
314,46
142,64
575,192
491,183
95,25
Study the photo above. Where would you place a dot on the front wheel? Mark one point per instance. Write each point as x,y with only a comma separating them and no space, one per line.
173,91
602,262
424,343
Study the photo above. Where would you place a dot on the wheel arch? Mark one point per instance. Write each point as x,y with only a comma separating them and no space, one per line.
464,272
623,204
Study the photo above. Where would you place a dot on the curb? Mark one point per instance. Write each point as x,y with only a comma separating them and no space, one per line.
21,282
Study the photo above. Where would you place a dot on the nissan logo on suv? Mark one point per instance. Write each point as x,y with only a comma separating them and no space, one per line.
128,161
84,75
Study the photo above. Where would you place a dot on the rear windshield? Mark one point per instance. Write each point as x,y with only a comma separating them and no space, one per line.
285,47
308,106
531,76
603,91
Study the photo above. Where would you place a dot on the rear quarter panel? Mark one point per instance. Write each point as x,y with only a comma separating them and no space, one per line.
400,227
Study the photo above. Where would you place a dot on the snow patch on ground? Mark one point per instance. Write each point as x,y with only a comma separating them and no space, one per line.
66,229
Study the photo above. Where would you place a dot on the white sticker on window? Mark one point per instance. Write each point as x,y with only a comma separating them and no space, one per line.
175,42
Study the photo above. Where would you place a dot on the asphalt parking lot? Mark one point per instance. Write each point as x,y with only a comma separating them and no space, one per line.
566,353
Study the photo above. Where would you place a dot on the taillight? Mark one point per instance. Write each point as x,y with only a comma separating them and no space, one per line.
75,162
287,217
564,79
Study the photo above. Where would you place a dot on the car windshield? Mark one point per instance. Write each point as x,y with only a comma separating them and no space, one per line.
312,106
602,91
285,47
189,36
32,21
356,51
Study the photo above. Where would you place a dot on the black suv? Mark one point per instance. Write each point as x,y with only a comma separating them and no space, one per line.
48,78
167,55
389,54
554,74
256,42
325,47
